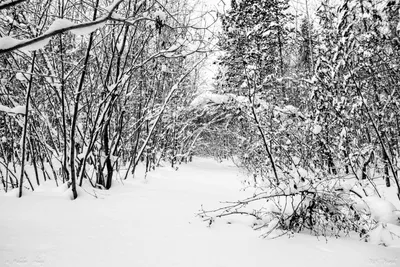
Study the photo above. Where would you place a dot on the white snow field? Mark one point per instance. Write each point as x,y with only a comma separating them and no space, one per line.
152,222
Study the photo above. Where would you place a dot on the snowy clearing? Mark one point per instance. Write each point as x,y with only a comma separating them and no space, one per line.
152,222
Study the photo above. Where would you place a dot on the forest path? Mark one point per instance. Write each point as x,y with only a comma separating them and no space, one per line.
152,222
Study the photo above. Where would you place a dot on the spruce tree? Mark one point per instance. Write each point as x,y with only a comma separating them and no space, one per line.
253,39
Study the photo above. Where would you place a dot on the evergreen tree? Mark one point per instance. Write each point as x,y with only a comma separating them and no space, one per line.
254,36
306,49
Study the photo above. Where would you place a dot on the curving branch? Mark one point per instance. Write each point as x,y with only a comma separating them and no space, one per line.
10,3
18,44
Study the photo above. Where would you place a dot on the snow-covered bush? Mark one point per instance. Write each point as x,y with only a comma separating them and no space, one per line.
316,137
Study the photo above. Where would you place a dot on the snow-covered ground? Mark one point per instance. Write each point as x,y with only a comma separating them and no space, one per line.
152,222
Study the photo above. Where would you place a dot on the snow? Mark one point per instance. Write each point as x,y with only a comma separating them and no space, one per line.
289,109
60,24
385,234
8,41
242,99
14,110
152,222
117,16
36,45
317,129
343,133
18,110
113,5
89,29
382,210
160,14
4,108
204,98
302,172
296,160
21,77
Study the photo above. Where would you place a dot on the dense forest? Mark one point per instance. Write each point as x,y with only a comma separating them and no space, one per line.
308,105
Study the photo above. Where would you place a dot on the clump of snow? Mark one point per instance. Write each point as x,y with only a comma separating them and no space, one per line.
160,15
8,42
302,172
174,47
208,97
317,129
89,29
36,45
117,16
384,29
113,5
4,108
242,99
83,153
382,210
18,110
296,160
343,133
385,234
119,45
22,77
15,110
60,24
289,109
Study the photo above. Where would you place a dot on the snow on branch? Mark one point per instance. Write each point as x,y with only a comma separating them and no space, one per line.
8,43
13,111
10,3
